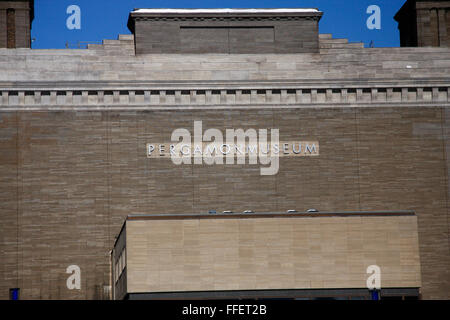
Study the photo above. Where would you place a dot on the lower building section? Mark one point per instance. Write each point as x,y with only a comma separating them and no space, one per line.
342,255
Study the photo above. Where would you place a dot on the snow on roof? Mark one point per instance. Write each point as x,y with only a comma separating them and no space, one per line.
229,10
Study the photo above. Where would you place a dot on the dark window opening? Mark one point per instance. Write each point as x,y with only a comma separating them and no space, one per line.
14,294
374,295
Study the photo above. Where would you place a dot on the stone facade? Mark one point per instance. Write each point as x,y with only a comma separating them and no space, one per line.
74,125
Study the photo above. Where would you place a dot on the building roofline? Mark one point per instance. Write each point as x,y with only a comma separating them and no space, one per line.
220,12
202,11
405,8
267,215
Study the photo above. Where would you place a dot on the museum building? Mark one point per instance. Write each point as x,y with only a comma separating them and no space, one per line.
133,159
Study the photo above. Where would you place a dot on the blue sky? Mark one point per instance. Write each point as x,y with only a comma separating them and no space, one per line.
105,19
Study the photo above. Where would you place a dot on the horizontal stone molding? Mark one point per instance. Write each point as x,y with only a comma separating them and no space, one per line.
224,96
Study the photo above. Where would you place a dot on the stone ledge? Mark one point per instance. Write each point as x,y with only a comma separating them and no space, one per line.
226,96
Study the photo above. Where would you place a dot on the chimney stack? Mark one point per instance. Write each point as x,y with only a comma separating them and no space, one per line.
16,17
424,23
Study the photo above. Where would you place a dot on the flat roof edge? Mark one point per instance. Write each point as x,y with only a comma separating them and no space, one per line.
225,11
268,215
